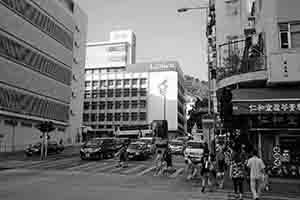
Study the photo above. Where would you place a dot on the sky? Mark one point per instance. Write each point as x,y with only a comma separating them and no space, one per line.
161,32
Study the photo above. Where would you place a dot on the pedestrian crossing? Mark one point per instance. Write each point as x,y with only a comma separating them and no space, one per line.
75,164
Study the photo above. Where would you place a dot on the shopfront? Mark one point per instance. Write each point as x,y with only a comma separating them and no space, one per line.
273,126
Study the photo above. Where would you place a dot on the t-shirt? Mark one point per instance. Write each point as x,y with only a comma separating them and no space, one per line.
256,166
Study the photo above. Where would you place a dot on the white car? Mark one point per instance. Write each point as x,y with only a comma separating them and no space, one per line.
194,150
150,141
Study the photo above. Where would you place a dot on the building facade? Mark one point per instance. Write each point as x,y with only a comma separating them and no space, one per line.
37,58
258,76
123,96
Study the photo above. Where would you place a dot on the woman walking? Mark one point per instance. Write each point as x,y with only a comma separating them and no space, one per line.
205,173
237,173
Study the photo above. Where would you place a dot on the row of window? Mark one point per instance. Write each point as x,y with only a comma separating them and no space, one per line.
122,128
41,21
134,92
96,72
117,83
102,105
125,116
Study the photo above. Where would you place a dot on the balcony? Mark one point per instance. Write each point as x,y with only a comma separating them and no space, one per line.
238,71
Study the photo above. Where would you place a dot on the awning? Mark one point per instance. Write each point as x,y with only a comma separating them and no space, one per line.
266,100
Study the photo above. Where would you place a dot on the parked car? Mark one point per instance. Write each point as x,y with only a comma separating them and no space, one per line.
98,148
150,141
138,150
52,147
176,146
195,150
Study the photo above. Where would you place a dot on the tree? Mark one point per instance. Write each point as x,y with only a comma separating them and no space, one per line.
196,114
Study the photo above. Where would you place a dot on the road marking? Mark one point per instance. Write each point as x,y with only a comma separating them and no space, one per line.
118,169
146,171
96,166
105,168
78,167
176,173
50,163
138,167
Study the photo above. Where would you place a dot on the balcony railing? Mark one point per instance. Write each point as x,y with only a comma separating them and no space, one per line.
235,66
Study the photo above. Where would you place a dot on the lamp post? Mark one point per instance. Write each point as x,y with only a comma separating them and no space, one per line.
206,8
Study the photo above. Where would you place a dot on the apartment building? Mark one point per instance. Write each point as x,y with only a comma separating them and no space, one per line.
257,74
39,49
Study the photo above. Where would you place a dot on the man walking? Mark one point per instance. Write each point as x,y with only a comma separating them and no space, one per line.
257,167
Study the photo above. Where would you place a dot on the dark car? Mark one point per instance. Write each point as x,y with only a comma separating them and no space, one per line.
98,148
138,150
52,147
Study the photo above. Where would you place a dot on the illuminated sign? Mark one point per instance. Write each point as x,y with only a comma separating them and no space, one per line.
162,67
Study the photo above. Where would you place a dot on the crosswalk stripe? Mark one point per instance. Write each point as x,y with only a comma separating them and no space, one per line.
104,168
134,169
78,167
118,169
50,163
97,165
177,172
146,171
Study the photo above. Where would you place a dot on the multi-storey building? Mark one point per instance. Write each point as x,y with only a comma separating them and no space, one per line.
258,73
38,53
130,99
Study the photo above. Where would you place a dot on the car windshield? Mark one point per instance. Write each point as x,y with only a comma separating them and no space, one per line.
135,146
195,145
176,143
146,141
93,143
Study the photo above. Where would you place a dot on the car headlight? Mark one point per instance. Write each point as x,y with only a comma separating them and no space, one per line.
137,153
98,149
35,150
81,150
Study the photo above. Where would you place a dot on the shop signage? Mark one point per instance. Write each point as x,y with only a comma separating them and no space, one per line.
266,107
274,107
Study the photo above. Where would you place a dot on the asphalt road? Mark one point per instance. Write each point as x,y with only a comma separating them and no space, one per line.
67,176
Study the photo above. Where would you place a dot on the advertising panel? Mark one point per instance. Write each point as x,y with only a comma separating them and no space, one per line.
284,67
103,56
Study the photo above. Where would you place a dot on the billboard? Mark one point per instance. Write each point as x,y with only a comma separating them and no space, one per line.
106,55
284,67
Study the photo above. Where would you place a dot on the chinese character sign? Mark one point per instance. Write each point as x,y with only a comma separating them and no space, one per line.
274,107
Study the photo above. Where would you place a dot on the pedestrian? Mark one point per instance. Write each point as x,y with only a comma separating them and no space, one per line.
205,173
257,168
191,168
220,158
158,162
122,156
237,174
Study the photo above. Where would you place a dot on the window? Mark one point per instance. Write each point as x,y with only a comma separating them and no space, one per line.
109,126
109,116
103,83
117,116
134,116
86,105
86,117
289,35
118,83
118,93
87,84
143,92
125,116
118,104
126,93
87,94
143,104
102,105
94,94
88,74
110,93
110,83
126,82
101,126
142,116
110,105
95,85
101,117
126,104
102,93
134,82
26,124
94,105
143,82
134,104
134,92
93,117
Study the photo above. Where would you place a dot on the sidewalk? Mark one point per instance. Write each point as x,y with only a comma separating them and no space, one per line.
69,151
